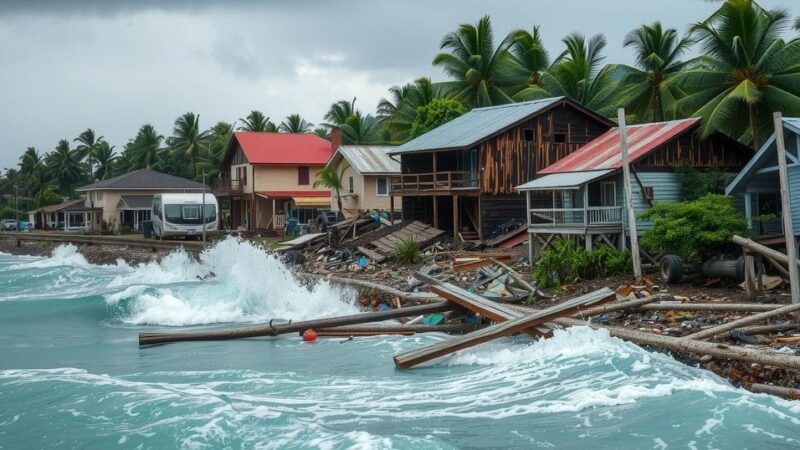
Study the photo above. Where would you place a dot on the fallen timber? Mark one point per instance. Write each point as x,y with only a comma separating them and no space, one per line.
401,329
421,297
419,356
292,327
711,332
686,345
726,307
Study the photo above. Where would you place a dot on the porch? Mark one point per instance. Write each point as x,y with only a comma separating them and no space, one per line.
223,187
443,172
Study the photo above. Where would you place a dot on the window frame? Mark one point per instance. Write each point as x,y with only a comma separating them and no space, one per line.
378,186
303,175
603,185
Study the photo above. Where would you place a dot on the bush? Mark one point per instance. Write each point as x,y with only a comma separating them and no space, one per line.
694,229
697,184
408,251
568,262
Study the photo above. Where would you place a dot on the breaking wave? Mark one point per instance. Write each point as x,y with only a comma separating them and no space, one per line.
232,281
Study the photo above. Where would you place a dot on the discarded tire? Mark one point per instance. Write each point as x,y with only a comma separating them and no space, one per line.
671,269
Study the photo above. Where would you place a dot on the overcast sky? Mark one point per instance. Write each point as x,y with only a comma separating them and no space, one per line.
114,65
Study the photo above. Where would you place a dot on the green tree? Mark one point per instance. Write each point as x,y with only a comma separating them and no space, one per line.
105,157
360,130
339,112
483,75
87,148
436,113
219,137
322,132
331,179
187,139
48,195
397,114
528,51
295,124
745,74
257,121
644,93
31,167
65,167
145,149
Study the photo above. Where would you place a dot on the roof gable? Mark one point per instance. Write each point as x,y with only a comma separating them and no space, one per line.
144,179
280,148
480,124
605,152
767,155
367,159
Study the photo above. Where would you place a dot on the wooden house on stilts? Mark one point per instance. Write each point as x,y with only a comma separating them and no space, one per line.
462,175
586,186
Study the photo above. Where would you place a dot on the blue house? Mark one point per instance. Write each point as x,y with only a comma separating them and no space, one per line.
587,190
758,183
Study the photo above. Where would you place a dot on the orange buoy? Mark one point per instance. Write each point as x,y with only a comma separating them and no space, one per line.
309,335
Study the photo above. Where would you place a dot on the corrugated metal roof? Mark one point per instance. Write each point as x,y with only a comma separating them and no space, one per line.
368,159
604,151
475,125
282,148
568,180
765,155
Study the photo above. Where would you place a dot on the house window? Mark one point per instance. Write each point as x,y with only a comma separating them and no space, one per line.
98,196
559,138
382,185
529,135
608,193
350,188
244,176
302,175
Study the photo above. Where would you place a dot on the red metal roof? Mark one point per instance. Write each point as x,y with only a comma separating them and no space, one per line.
604,151
284,148
285,194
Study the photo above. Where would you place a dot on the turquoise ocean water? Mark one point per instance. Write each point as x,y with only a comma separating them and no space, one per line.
73,376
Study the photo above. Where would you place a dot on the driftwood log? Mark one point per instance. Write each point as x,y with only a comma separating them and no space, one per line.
685,345
762,329
722,307
291,327
714,331
402,330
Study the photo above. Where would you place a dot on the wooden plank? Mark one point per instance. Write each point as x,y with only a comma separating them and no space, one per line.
399,329
711,332
419,356
274,330
626,175
374,256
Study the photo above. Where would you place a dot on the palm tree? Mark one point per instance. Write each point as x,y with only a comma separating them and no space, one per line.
577,73
483,74
746,73
145,148
211,160
645,94
105,157
187,140
528,52
322,132
331,179
256,121
64,165
31,166
295,124
361,130
87,146
339,112
397,115
47,195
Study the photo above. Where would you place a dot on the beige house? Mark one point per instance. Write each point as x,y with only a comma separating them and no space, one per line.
366,173
267,178
124,202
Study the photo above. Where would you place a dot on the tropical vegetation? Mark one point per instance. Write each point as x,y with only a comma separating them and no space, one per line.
733,69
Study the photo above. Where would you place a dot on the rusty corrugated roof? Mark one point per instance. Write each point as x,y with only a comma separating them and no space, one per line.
604,151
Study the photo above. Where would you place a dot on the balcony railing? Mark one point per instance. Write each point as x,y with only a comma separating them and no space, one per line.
433,182
594,215
224,187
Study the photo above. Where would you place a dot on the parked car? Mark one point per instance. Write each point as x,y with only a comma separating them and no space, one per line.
8,225
326,218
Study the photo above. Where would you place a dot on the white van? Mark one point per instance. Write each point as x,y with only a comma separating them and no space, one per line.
179,214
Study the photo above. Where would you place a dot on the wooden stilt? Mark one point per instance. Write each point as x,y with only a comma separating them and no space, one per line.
626,174
786,208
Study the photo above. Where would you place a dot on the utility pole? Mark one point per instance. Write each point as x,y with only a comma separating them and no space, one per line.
626,180
16,207
786,211
204,208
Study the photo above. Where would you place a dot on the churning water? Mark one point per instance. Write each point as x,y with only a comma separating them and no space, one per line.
72,374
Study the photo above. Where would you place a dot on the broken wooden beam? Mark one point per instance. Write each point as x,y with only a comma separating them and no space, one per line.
685,345
291,327
780,391
726,307
396,329
714,331
419,356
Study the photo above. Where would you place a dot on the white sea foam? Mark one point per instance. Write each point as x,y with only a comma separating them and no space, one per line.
233,281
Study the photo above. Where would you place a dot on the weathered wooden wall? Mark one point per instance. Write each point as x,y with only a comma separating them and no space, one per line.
509,159
716,151
498,209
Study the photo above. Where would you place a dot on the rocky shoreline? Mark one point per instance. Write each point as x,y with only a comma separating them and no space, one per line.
94,253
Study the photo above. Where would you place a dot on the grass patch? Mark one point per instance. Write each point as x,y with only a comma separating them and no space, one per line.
408,251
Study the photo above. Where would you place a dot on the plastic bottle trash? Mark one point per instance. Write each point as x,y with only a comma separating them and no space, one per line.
362,261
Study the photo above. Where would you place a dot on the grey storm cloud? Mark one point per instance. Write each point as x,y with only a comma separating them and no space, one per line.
114,65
